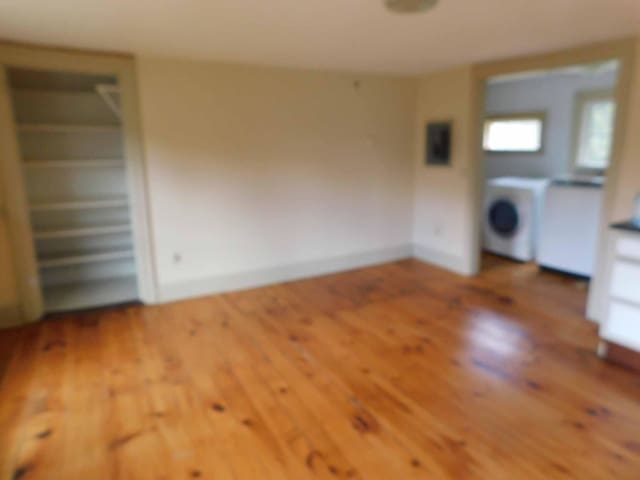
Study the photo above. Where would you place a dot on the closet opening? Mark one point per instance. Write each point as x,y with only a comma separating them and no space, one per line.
72,155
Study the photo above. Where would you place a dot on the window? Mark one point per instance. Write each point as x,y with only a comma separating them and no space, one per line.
595,124
514,133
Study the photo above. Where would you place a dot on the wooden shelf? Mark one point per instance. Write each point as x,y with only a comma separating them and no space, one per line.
79,204
88,294
67,259
82,232
52,91
66,128
88,163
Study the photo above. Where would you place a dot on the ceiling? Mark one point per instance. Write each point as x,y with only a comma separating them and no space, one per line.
350,35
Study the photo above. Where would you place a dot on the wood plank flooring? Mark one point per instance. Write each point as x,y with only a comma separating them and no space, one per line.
401,371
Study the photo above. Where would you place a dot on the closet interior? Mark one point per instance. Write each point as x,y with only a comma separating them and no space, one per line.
72,152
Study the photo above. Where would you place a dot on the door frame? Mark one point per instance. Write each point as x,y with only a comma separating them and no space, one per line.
622,50
55,59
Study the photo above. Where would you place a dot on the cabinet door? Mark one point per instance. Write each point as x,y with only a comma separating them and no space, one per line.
623,325
628,246
625,281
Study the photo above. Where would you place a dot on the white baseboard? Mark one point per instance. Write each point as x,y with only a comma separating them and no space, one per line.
444,260
257,278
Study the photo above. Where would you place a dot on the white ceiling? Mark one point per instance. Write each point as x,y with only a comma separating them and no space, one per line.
351,35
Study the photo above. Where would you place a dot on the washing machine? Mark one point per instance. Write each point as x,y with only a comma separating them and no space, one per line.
512,209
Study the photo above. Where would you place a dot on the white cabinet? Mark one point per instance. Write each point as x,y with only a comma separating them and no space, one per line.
569,227
628,246
625,281
622,322
622,325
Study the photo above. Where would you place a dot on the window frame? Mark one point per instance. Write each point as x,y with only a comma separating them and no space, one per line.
538,115
580,101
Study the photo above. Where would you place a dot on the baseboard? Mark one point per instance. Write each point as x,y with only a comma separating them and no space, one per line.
258,278
10,316
444,260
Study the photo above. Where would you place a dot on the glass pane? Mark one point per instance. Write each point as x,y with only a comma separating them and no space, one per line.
596,134
517,135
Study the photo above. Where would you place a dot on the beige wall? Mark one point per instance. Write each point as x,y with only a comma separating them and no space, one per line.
442,229
254,168
628,185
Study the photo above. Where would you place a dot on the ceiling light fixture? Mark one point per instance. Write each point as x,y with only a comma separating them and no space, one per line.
409,6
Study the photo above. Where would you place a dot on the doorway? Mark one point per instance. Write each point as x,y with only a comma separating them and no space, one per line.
74,177
518,160
71,147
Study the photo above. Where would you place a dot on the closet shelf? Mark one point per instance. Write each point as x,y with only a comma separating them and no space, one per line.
72,145
88,163
82,232
79,204
90,293
53,91
66,128
63,260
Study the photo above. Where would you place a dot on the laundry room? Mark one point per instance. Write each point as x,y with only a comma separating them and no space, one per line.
547,141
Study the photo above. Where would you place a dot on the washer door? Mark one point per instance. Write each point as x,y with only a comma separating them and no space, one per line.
503,217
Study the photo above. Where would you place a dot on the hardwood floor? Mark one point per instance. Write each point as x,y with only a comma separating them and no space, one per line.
394,372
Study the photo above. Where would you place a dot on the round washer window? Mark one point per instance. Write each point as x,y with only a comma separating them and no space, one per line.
503,217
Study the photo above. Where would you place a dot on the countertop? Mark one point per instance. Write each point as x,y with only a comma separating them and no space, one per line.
579,182
628,226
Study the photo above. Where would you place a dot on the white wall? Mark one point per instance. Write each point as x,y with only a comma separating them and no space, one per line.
555,95
258,174
443,221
